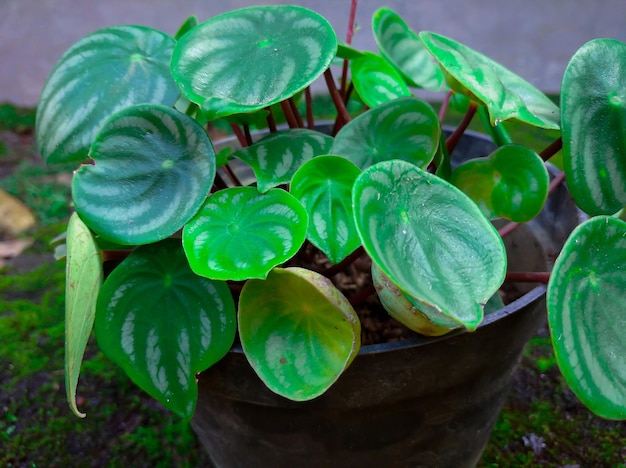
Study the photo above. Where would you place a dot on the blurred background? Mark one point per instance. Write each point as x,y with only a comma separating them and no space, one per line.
534,38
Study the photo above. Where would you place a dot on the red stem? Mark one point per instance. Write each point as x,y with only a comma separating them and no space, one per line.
527,276
239,134
271,122
552,149
453,139
333,270
294,110
291,119
444,107
310,120
349,34
342,112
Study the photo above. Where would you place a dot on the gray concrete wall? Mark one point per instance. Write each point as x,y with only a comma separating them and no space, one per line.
534,38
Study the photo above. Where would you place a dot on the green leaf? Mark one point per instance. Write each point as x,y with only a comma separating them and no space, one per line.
511,183
100,74
298,332
401,46
276,157
153,169
240,233
429,238
376,80
162,324
83,280
324,187
405,128
586,297
346,51
403,310
593,97
190,23
506,95
250,58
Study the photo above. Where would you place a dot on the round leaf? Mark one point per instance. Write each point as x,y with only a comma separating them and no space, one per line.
593,99
163,324
586,297
429,238
276,157
511,183
104,72
250,58
324,187
153,169
83,280
506,95
402,47
240,233
405,128
298,332
376,80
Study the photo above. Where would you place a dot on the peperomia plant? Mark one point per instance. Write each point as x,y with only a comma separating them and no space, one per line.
211,253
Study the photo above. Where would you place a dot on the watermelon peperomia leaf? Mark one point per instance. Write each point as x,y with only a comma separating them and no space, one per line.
162,323
585,300
376,80
298,332
96,77
240,233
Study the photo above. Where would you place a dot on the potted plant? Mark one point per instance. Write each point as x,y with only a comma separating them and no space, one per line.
212,261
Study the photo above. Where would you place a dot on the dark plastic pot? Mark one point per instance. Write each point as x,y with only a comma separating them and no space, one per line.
420,402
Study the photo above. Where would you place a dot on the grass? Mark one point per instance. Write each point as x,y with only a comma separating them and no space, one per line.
541,424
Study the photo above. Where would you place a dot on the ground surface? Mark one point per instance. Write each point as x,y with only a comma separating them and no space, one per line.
542,423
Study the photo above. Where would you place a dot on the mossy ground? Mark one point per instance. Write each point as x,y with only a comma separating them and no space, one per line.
542,423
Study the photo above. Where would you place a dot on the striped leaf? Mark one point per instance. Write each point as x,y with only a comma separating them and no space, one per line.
162,324
376,80
250,58
153,169
276,157
587,317
593,99
83,280
298,332
324,187
511,183
240,233
429,238
401,46
100,74
506,95
405,128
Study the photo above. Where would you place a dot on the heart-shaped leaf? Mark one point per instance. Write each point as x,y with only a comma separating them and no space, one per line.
250,58
240,233
376,80
324,187
276,157
586,297
97,76
593,98
429,238
406,128
83,280
401,46
511,183
506,95
162,323
298,332
153,169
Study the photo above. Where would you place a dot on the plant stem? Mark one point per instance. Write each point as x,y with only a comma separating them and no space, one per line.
239,134
453,139
333,270
271,122
246,132
444,106
342,112
231,175
552,149
291,119
349,34
310,119
527,276
294,110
